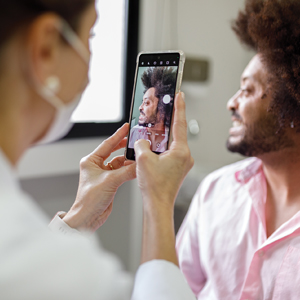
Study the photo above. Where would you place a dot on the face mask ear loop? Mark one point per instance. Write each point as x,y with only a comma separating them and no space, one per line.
40,88
69,35
72,38
49,96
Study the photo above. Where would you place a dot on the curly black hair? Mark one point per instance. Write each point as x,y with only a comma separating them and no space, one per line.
272,28
163,79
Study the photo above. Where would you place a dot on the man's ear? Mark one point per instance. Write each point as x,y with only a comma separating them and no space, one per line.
43,45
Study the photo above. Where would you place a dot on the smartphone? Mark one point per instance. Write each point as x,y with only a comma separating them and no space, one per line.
158,78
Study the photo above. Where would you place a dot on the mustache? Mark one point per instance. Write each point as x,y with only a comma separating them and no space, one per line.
141,112
236,115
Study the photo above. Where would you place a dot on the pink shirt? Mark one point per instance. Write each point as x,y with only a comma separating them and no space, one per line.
222,244
141,132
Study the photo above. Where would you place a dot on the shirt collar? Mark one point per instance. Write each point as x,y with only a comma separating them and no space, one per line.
244,175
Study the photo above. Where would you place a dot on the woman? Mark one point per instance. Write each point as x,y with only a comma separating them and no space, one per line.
44,61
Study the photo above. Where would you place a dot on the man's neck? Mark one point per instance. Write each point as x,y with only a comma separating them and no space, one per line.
158,127
282,172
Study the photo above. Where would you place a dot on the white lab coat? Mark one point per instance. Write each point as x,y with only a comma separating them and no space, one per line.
40,264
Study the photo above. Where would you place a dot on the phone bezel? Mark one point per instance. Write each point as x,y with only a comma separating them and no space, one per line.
129,152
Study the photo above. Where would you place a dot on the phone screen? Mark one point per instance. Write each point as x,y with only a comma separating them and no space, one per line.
153,101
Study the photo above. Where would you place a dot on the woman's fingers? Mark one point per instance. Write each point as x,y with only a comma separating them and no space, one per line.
180,124
142,147
121,145
113,143
122,172
116,163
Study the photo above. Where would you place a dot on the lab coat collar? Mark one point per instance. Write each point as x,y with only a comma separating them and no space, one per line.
8,174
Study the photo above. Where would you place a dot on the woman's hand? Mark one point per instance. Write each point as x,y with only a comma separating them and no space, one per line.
159,178
99,182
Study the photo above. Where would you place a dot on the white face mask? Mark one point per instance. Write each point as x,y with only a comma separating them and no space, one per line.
61,124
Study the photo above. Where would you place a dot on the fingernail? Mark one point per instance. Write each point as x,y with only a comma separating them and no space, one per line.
183,96
143,140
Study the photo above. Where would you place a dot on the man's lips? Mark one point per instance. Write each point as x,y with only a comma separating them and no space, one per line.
237,127
236,123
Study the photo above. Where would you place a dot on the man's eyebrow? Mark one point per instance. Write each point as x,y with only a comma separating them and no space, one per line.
243,79
253,78
147,98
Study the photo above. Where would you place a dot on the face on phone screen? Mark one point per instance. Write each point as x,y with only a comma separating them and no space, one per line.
153,101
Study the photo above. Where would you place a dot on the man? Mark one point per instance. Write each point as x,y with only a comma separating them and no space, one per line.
241,237
155,110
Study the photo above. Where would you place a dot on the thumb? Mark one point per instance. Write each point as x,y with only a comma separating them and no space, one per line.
142,147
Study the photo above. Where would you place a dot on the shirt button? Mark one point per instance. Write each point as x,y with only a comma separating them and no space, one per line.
261,253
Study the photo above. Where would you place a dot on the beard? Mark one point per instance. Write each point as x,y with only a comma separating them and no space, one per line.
148,120
263,136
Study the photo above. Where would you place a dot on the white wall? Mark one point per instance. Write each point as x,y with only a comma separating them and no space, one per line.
203,30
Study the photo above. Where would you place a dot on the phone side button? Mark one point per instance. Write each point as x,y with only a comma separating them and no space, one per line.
179,82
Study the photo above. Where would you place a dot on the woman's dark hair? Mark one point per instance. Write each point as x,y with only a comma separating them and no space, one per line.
163,79
15,14
272,28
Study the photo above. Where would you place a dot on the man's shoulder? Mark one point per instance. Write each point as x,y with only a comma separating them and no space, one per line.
137,127
230,170
227,179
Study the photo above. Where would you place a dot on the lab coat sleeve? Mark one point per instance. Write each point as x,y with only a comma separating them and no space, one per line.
156,279
57,225
114,283
39,264
161,280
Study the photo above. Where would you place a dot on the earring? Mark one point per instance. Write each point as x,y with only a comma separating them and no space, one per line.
292,124
53,84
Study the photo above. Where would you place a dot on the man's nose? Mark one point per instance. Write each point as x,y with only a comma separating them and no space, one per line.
141,107
233,102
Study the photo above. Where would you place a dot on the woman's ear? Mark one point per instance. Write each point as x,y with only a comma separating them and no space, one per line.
42,45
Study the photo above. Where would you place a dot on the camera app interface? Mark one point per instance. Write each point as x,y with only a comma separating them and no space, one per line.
154,100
